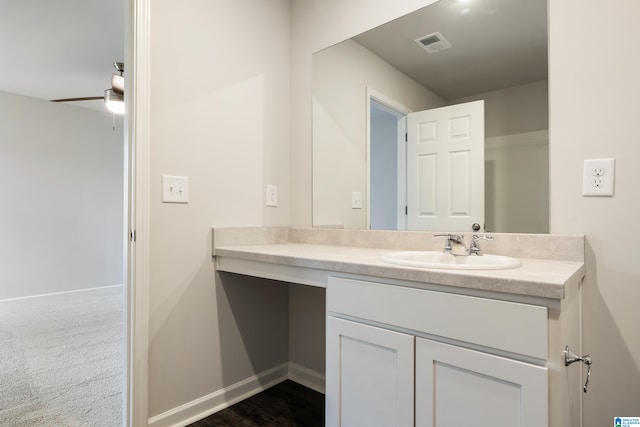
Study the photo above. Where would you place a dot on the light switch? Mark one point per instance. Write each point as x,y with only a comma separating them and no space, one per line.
356,200
175,189
272,195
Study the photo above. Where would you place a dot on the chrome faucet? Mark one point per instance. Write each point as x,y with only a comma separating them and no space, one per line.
474,247
452,238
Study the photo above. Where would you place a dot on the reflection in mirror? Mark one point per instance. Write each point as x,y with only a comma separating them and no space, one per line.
366,90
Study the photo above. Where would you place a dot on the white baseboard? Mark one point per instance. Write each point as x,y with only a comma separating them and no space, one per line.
72,291
200,408
307,377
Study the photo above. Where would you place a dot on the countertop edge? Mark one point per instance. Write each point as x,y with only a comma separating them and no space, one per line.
537,278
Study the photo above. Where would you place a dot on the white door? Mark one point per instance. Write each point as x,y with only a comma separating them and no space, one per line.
445,168
456,386
370,376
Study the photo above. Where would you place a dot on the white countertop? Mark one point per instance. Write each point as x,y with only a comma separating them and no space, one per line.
538,278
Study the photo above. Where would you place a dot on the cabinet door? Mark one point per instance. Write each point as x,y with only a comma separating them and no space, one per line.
457,387
370,376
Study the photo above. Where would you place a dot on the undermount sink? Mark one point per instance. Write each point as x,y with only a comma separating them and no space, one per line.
440,260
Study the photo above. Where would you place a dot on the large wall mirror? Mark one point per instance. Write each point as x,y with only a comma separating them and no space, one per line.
437,120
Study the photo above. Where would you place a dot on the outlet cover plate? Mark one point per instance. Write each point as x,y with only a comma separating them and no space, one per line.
598,177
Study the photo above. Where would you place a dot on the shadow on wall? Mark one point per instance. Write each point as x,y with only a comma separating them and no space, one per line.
210,331
253,321
307,326
614,388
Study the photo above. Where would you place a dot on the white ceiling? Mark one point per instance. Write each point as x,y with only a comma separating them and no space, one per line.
495,44
60,49
66,48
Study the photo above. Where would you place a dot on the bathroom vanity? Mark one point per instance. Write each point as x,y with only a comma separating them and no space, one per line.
412,346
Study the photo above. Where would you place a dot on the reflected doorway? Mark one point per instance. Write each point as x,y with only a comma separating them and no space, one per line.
387,163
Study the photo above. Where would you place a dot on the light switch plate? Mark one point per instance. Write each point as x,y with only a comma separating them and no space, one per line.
272,195
175,189
356,200
598,177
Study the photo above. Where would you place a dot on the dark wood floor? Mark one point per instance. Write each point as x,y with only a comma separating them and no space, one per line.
287,404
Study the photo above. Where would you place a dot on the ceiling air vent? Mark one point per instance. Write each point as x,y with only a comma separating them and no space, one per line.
433,43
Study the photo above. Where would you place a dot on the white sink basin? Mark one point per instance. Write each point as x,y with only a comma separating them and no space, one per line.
440,260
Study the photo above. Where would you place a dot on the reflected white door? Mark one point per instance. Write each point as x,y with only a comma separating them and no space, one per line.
445,168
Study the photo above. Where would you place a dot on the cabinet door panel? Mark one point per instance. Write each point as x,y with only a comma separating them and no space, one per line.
370,376
458,386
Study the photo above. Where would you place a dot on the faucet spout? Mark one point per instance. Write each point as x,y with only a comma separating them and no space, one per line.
451,239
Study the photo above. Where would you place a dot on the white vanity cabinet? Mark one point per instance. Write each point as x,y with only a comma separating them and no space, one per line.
404,356
411,346
372,380
458,386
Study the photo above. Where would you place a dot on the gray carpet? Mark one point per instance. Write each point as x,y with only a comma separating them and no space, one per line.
62,359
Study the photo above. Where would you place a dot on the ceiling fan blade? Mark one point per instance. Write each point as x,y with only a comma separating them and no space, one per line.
117,88
87,98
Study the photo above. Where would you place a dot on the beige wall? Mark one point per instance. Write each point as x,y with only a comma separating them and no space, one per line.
516,169
219,115
316,25
516,158
341,76
513,110
594,96
61,220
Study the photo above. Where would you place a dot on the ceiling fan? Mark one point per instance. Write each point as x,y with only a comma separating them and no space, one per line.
113,97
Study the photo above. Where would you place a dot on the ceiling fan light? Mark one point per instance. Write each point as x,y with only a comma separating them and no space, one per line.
114,101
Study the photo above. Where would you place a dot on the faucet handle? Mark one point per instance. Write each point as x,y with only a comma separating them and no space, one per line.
474,248
457,238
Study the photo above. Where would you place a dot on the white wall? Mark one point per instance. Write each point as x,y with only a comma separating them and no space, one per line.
219,115
341,77
61,214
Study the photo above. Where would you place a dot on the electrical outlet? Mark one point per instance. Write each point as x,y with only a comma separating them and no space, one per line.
597,177
356,200
272,195
175,189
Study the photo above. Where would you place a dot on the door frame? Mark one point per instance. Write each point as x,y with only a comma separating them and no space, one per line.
137,125
401,111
